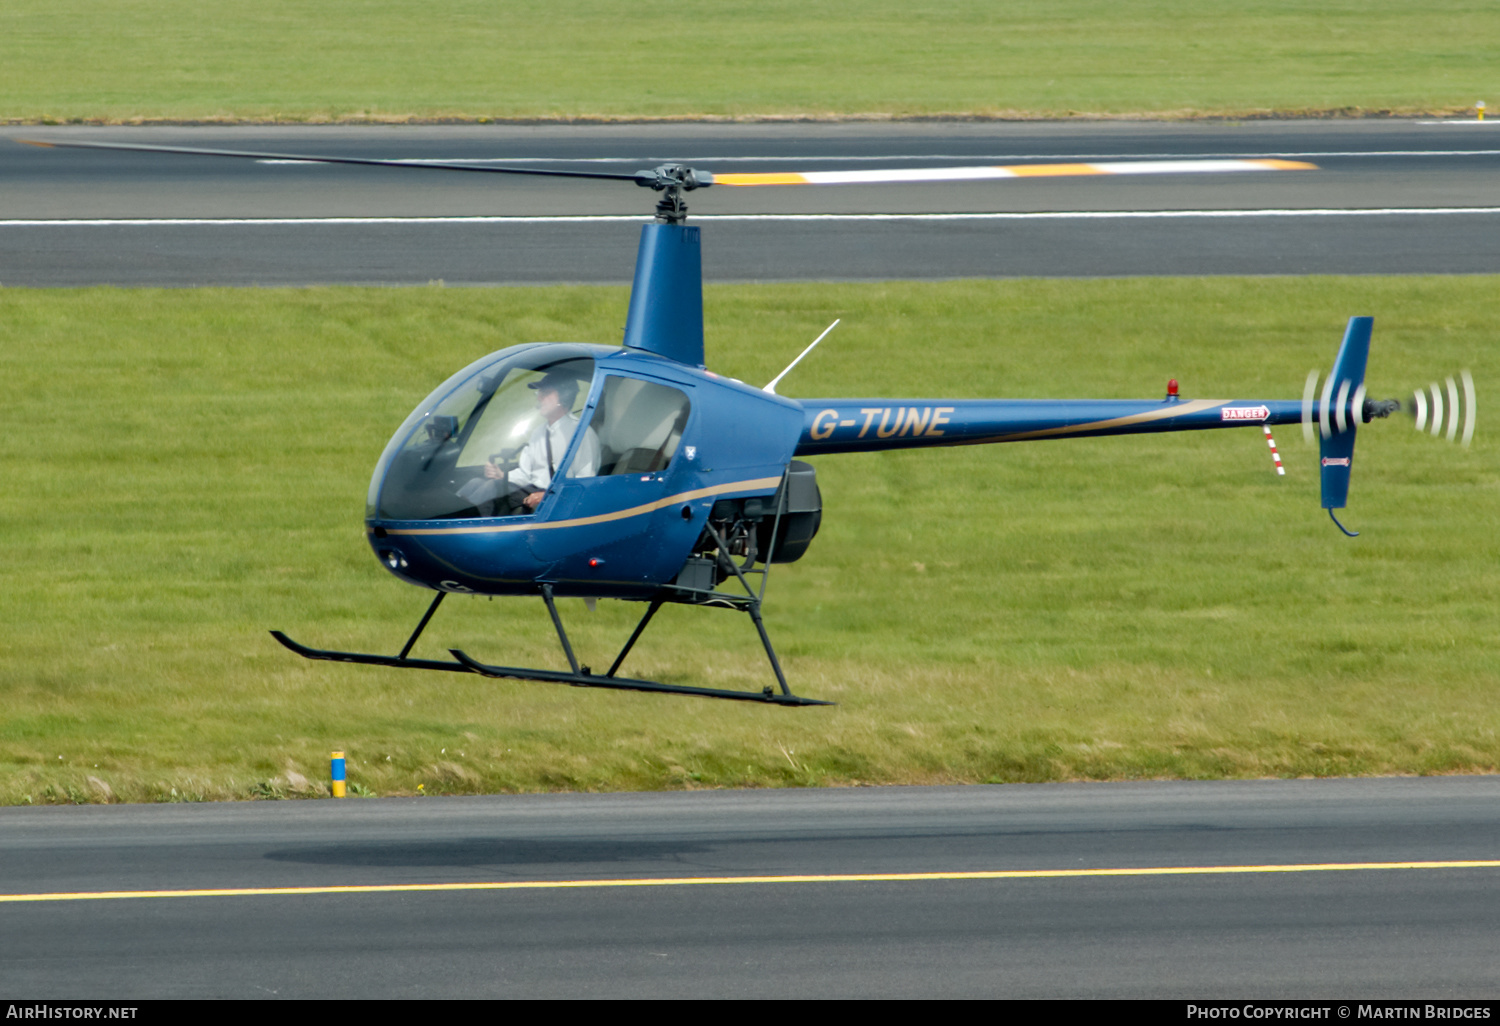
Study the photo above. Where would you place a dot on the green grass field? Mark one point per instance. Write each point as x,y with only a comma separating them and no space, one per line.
185,469
299,60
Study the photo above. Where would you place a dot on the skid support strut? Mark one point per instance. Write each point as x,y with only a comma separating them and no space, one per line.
423,624
562,635
635,635
583,677
752,600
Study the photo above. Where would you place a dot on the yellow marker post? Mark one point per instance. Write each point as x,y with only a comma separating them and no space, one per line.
1479,109
338,774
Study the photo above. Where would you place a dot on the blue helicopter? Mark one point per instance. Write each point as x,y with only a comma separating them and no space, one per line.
633,472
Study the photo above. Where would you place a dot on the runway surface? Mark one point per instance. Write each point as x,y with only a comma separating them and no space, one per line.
1344,925
1387,197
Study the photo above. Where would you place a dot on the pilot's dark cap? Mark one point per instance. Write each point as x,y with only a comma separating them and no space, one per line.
563,384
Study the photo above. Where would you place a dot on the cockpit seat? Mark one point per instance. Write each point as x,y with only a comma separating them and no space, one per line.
640,460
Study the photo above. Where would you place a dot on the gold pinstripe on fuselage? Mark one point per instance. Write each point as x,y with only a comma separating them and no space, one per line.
601,518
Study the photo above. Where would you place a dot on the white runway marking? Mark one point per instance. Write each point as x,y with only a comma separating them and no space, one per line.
894,157
875,176
1046,215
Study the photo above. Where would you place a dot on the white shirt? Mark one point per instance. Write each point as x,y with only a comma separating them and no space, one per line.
533,472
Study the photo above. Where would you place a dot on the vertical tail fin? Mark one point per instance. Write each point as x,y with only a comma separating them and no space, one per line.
1340,410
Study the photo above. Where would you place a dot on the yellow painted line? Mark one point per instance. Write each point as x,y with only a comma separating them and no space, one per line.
701,881
1054,170
1286,165
768,178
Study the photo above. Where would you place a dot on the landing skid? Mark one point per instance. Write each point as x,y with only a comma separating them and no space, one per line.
591,680
580,677
367,659
380,660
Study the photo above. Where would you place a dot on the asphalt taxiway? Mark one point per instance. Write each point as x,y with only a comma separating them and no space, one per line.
1388,196
1364,889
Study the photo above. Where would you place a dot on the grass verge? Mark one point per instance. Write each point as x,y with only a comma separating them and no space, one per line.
185,469
322,60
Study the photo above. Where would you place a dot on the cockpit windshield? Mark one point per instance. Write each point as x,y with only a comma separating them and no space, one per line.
490,439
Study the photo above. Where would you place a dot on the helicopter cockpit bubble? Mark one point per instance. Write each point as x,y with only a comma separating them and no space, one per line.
474,429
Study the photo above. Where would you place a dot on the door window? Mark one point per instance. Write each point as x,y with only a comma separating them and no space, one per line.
638,424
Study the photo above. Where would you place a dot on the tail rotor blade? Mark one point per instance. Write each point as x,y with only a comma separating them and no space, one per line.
1323,408
1341,408
1468,407
1309,393
1447,409
1452,409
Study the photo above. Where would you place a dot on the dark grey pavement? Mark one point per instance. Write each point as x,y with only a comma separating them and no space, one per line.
1389,197
1366,934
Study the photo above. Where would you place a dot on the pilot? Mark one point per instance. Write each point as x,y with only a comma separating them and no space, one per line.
522,489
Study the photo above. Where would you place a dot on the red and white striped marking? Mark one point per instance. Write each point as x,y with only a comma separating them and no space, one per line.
1274,454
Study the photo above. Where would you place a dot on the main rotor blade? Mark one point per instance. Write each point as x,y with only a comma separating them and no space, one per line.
964,174
691,179
304,158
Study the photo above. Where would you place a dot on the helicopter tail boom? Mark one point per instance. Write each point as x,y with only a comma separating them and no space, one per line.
872,425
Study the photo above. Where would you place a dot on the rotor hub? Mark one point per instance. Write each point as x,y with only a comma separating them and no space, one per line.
672,180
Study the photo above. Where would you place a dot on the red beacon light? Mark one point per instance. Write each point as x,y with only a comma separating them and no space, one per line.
1172,395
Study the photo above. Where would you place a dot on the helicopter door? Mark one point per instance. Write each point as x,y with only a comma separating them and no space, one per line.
638,424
